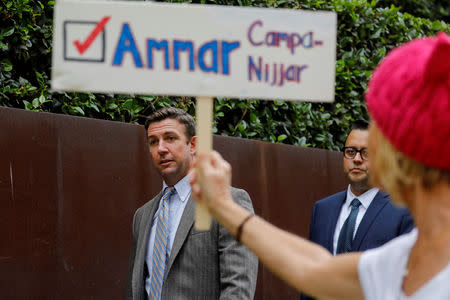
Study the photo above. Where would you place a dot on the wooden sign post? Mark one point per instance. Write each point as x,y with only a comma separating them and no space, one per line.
194,50
204,111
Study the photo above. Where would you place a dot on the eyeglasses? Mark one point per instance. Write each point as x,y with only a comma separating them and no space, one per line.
350,153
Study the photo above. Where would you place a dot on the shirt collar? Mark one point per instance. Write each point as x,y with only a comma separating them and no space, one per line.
365,198
182,187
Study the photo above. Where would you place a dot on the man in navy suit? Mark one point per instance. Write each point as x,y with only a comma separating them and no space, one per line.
342,224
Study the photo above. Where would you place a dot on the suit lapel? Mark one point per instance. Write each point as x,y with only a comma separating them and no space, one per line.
144,232
380,200
186,222
335,211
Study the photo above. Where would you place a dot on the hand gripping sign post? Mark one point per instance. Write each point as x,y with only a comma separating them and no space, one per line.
194,50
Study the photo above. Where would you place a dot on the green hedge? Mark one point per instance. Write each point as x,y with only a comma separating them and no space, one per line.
366,32
430,9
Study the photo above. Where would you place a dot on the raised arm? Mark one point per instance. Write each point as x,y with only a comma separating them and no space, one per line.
306,266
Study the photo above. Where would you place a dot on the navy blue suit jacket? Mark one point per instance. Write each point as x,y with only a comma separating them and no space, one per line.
382,222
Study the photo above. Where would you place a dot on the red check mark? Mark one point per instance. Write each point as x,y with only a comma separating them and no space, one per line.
83,46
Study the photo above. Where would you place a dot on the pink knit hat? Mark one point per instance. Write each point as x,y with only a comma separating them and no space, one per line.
409,99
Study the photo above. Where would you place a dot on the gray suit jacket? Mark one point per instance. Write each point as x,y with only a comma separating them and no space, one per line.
202,264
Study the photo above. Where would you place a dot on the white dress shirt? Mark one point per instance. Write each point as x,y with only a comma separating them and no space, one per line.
365,200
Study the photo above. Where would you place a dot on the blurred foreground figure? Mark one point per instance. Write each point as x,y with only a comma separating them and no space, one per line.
409,144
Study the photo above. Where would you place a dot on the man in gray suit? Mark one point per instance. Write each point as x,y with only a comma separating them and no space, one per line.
195,264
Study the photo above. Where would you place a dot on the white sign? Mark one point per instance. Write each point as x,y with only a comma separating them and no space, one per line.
194,50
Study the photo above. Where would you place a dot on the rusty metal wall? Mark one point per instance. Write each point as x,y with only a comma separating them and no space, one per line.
69,187
284,182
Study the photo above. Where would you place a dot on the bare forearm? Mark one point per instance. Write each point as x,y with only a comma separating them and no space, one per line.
306,266
288,256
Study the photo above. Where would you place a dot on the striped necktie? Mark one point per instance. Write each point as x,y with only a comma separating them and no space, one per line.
160,247
345,241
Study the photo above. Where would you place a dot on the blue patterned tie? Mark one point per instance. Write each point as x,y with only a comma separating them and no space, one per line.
160,247
345,240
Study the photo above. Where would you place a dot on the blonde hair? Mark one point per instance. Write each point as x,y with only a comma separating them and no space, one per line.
397,173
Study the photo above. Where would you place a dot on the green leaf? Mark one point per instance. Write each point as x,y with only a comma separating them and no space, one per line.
128,104
28,105
94,106
281,137
112,106
36,103
242,126
320,138
8,31
6,65
78,110
148,98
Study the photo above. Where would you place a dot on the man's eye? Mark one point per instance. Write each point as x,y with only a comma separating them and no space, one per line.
351,151
152,143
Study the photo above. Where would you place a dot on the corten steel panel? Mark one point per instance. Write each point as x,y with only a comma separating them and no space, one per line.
69,187
284,182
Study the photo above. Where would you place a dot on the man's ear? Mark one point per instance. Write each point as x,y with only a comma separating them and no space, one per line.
193,145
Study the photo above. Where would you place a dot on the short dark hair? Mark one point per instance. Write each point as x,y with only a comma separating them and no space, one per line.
176,114
360,125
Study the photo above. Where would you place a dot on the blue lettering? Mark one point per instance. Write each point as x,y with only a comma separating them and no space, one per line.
183,46
226,50
126,44
275,74
290,73
294,41
299,70
271,39
276,38
254,68
211,46
307,40
152,44
250,29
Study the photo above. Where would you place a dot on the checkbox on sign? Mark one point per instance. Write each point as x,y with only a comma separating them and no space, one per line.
85,40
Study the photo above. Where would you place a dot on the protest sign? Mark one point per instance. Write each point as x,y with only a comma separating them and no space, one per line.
194,50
